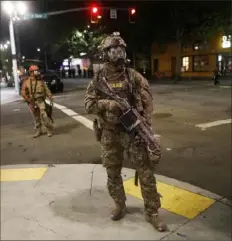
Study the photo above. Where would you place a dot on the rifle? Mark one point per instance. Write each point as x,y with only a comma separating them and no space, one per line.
132,121
48,109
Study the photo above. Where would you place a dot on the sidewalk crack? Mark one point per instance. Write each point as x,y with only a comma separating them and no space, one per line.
173,231
48,229
189,220
91,180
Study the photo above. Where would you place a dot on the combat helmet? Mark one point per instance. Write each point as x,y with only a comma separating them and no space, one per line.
33,67
111,41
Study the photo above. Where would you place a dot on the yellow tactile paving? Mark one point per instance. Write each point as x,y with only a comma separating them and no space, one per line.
176,200
22,174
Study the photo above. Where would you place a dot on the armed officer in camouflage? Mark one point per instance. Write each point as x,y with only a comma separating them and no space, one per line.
115,141
34,91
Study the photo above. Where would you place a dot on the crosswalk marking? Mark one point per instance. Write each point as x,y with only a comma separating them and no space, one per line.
22,174
174,199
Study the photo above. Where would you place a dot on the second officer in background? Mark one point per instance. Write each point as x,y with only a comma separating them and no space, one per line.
34,91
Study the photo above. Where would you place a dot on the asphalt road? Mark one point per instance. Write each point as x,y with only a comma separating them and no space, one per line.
190,154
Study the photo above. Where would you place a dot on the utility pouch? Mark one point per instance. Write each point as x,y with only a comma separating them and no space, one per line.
155,156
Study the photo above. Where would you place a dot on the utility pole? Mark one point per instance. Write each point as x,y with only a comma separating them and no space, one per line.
17,38
14,56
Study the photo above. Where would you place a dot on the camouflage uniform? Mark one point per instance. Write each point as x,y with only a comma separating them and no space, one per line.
39,91
116,143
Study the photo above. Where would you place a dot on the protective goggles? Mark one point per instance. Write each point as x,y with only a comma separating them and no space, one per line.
115,53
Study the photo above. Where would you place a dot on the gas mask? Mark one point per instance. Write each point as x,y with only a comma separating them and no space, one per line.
117,55
36,74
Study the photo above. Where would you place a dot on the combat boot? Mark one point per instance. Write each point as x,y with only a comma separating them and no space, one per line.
156,222
49,133
37,134
119,212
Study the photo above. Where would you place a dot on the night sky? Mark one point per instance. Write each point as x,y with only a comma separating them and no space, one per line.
153,20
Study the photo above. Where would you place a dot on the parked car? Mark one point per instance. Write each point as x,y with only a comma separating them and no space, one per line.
53,81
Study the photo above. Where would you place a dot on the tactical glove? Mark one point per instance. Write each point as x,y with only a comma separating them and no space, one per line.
110,110
109,105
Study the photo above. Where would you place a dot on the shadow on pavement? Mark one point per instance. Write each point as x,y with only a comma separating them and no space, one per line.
75,208
64,129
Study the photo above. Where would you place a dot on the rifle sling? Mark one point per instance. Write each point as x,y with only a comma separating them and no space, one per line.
33,92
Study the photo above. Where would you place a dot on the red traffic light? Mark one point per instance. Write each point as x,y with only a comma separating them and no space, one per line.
132,15
94,14
94,10
132,11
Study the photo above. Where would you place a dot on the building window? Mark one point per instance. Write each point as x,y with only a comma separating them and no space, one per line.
201,63
185,63
185,48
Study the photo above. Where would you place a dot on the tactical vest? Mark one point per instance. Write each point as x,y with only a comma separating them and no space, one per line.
124,87
36,88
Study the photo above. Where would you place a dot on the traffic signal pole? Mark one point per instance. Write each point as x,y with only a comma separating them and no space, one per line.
66,11
81,9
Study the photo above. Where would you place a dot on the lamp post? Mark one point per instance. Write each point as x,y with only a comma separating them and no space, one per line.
13,9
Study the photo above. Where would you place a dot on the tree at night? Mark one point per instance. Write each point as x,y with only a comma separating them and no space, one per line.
214,23
86,41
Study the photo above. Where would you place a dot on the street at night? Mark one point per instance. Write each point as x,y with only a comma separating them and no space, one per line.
55,186
200,157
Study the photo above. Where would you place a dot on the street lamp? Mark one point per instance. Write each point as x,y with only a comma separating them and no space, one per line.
45,57
21,8
4,46
13,9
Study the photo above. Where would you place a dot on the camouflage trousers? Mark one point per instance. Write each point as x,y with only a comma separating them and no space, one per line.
113,146
41,116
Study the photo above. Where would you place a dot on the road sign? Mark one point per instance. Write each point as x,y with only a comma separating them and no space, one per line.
35,16
113,13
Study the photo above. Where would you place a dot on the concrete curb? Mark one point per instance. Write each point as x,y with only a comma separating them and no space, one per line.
4,102
164,179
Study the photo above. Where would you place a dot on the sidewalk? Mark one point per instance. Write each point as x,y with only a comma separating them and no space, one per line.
223,82
9,94
71,202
